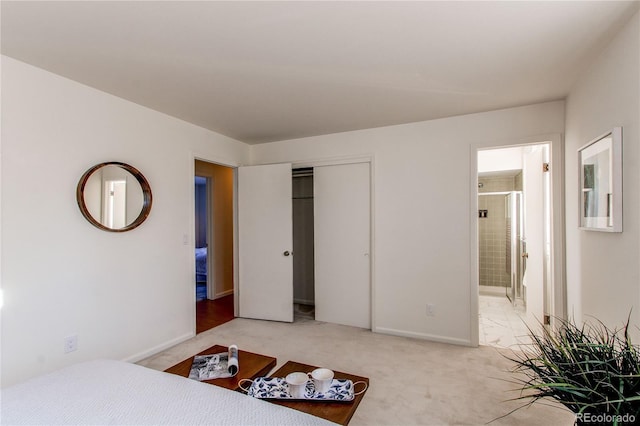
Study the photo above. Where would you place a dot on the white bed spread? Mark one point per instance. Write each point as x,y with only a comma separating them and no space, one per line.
109,392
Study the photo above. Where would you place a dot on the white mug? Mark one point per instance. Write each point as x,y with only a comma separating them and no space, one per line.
322,379
297,383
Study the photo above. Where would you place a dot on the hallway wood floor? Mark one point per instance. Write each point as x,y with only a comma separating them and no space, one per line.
212,313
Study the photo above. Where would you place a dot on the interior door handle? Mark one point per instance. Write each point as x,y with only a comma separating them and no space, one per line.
286,253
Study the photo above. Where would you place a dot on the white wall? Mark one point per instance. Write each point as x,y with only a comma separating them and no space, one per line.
421,204
602,268
124,295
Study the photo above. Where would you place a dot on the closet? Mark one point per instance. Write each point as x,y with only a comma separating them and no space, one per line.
340,253
303,258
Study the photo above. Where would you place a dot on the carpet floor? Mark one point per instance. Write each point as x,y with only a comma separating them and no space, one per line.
413,382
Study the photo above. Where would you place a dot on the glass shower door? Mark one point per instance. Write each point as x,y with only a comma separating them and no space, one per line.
514,241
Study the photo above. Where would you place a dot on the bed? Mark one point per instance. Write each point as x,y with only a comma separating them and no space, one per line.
106,392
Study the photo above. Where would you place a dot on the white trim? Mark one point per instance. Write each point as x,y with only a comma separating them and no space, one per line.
424,336
474,282
236,251
372,236
558,229
159,348
211,247
222,294
1,285
334,161
557,307
322,161
191,257
193,156
497,192
213,159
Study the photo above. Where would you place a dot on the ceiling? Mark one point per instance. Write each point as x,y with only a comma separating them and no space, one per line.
266,71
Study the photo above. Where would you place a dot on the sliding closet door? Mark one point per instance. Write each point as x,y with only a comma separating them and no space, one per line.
342,244
265,266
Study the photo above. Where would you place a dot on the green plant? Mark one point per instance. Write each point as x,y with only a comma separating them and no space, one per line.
592,370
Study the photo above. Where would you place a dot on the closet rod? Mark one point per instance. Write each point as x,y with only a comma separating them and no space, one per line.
303,172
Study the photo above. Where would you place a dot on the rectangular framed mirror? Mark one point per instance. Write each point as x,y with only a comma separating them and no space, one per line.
600,178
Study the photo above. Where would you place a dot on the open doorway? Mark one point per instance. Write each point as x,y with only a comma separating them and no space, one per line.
202,185
303,245
213,243
514,242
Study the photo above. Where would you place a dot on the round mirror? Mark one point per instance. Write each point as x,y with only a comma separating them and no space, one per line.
114,196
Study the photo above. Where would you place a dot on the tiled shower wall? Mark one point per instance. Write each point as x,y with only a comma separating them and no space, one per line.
492,241
492,230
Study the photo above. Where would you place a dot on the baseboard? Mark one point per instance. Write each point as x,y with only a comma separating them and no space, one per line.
223,294
156,349
304,302
423,336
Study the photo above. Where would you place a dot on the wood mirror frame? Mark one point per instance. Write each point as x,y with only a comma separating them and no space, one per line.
144,186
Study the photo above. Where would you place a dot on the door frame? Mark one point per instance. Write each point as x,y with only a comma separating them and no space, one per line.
189,238
557,296
335,161
370,159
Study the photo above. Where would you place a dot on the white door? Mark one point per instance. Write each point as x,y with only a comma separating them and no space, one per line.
533,194
342,244
265,266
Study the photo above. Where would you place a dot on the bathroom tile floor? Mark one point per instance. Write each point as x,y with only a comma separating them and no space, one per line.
502,324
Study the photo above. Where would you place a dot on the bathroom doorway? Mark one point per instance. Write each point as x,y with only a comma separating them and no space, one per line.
514,240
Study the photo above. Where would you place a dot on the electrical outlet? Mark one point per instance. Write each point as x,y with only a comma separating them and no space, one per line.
70,343
431,310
